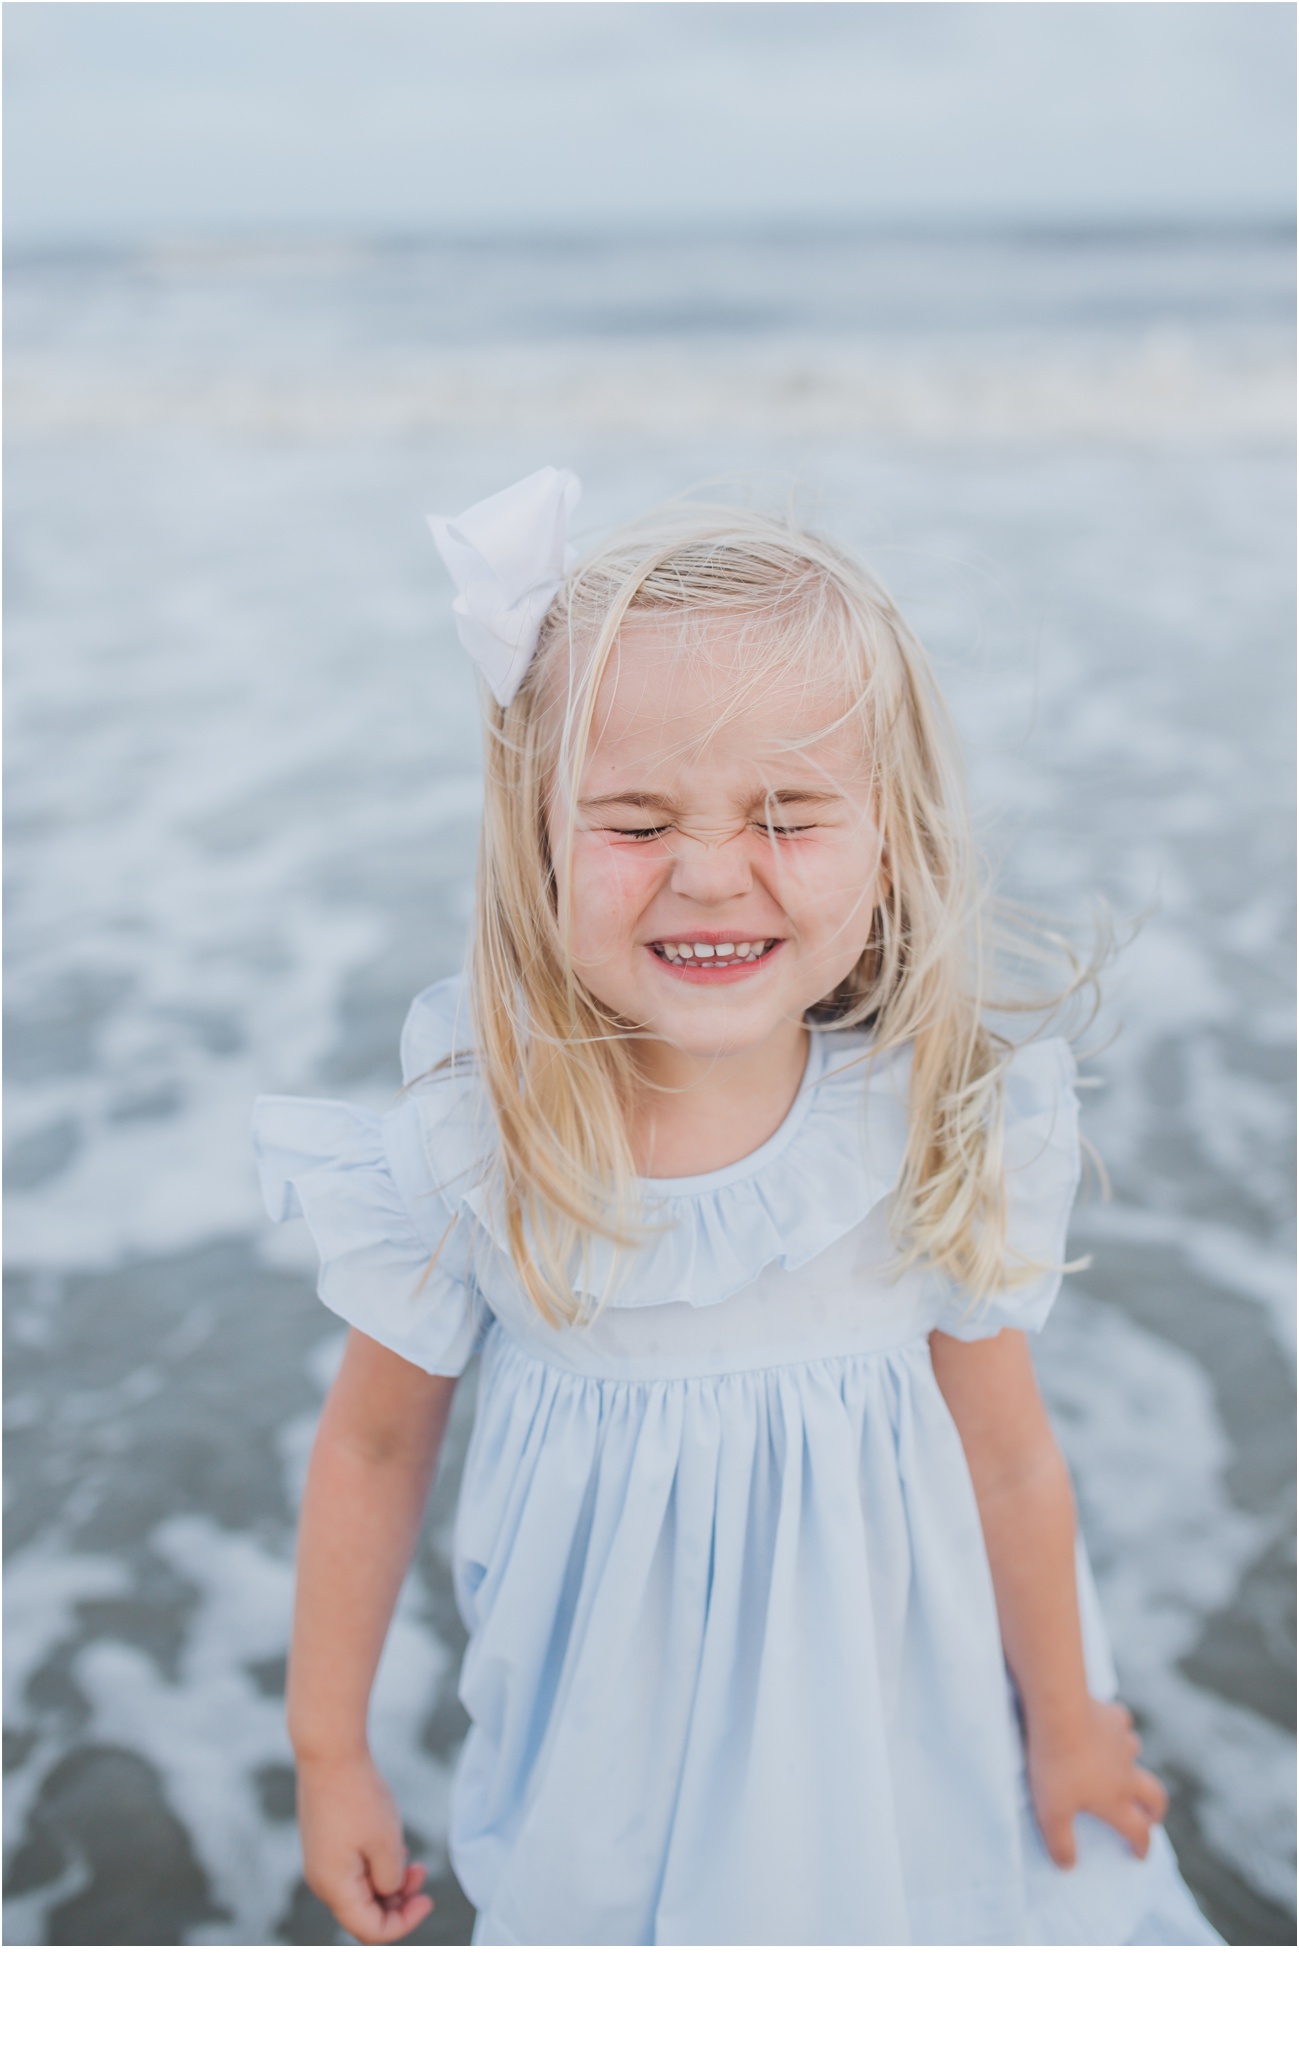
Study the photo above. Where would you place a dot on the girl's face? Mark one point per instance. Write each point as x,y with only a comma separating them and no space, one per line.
725,869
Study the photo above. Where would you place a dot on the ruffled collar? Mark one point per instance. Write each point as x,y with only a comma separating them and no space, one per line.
837,1154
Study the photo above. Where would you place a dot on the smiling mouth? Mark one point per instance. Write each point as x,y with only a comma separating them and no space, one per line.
714,958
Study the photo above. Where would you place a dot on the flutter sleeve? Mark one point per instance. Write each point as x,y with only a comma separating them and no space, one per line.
393,1256
1043,1162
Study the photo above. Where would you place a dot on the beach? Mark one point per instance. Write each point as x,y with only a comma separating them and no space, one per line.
242,800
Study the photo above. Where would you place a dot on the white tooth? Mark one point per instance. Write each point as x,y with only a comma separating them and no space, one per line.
743,950
685,952
701,951
723,952
670,951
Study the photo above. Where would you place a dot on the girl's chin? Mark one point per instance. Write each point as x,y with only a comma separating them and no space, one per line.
717,1029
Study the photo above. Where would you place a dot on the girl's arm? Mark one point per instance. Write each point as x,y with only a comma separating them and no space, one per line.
371,1467
1081,1752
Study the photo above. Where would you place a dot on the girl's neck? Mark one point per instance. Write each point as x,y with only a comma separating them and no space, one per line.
699,1113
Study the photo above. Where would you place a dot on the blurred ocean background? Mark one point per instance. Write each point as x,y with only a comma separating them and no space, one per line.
242,794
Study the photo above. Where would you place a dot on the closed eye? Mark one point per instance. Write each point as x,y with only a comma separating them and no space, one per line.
646,832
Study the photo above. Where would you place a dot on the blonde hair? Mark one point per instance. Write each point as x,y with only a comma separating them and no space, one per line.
558,1067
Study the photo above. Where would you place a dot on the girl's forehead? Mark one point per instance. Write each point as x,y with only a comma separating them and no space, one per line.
720,693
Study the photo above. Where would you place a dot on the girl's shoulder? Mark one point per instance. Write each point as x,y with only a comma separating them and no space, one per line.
382,1203
1042,1160
438,1030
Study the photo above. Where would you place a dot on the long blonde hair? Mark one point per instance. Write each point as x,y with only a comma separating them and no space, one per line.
558,1068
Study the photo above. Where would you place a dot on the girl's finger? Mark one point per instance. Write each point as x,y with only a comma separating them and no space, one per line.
1136,1830
1058,1836
414,1913
365,1919
360,1909
1127,1819
374,1922
398,1921
413,1880
1152,1795
409,1887
385,1867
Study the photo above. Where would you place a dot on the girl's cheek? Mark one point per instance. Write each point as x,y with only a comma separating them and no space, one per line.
809,867
609,889
827,885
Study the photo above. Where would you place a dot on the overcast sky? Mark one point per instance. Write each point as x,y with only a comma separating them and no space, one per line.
125,119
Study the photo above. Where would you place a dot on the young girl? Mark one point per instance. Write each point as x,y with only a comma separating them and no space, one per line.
767,1555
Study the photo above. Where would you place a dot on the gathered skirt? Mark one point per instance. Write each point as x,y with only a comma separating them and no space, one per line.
734,1674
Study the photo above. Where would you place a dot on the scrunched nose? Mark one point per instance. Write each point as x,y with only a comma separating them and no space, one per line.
712,866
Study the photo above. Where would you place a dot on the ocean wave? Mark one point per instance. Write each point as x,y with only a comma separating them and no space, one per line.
1167,388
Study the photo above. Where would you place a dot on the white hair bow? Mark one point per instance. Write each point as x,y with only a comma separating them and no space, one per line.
508,556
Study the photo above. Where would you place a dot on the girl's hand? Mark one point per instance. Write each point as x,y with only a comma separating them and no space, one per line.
1095,1773
353,1852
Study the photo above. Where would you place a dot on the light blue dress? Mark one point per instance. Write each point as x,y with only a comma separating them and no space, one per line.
734,1672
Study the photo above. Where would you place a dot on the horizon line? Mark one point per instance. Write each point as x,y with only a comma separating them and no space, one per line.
85,242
